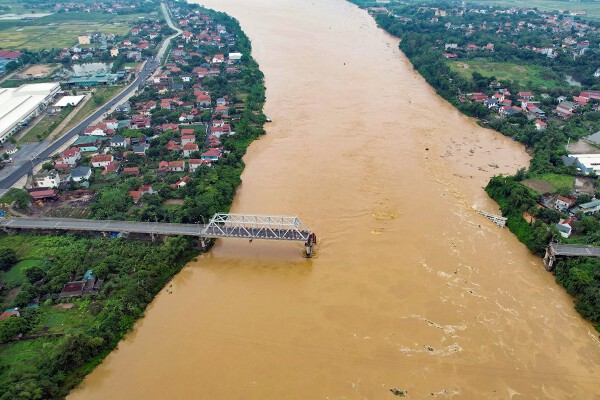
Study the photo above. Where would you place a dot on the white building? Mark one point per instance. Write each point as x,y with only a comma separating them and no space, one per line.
587,162
81,174
20,105
235,56
50,179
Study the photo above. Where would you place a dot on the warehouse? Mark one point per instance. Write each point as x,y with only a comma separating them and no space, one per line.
20,105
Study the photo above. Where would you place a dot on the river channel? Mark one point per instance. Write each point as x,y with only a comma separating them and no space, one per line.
410,287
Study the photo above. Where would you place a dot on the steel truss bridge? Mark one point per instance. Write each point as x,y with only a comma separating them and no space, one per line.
568,250
221,225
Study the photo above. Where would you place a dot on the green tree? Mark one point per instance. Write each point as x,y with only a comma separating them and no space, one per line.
8,258
10,328
34,274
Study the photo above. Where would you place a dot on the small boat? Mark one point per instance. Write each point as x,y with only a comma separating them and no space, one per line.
267,119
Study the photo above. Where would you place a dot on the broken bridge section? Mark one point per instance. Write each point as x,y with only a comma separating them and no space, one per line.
568,250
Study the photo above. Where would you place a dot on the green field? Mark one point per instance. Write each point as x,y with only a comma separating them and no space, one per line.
16,273
528,76
557,180
18,352
61,30
41,130
541,184
592,9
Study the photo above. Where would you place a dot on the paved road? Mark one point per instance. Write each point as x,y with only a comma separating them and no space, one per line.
44,150
165,45
157,228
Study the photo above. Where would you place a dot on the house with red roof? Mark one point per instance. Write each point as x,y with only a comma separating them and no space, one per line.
187,36
96,130
214,141
211,155
171,166
477,97
10,55
102,160
540,125
172,145
43,194
525,95
185,139
71,156
189,148
218,58
110,167
181,183
11,312
194,163
131,171
563,203
142,190
173,127
200,72
203,100
187,131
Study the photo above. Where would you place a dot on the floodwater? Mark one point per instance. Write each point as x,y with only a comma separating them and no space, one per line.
90,68
410,288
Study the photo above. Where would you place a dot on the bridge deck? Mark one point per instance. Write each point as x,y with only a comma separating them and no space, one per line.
156,228
69,224
575,250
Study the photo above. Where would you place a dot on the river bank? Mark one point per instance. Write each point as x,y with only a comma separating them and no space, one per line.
410,288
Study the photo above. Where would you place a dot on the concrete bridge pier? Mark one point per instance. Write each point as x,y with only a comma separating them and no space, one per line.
309,246
549,259
205,244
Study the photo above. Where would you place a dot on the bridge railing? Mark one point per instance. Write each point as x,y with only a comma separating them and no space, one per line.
257,227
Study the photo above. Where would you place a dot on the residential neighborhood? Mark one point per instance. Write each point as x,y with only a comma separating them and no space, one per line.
183,122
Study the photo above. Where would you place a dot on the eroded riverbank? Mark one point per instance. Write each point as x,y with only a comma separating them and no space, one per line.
410,287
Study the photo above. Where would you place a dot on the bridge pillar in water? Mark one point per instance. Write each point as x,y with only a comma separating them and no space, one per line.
204,244
309,246
549,259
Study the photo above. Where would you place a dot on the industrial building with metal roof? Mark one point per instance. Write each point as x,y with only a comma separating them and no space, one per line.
19,105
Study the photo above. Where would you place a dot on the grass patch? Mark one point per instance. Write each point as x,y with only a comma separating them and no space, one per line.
27,247
11,83
539,186
558,180
60,320
69,212
131,65
16,273
43,128
18,353
528,76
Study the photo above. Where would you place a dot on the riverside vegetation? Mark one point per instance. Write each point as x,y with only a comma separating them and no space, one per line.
541,48
61,340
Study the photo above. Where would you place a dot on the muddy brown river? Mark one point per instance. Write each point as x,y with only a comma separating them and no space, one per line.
410,287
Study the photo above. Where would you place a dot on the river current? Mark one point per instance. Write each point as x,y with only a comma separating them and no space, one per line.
410,288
